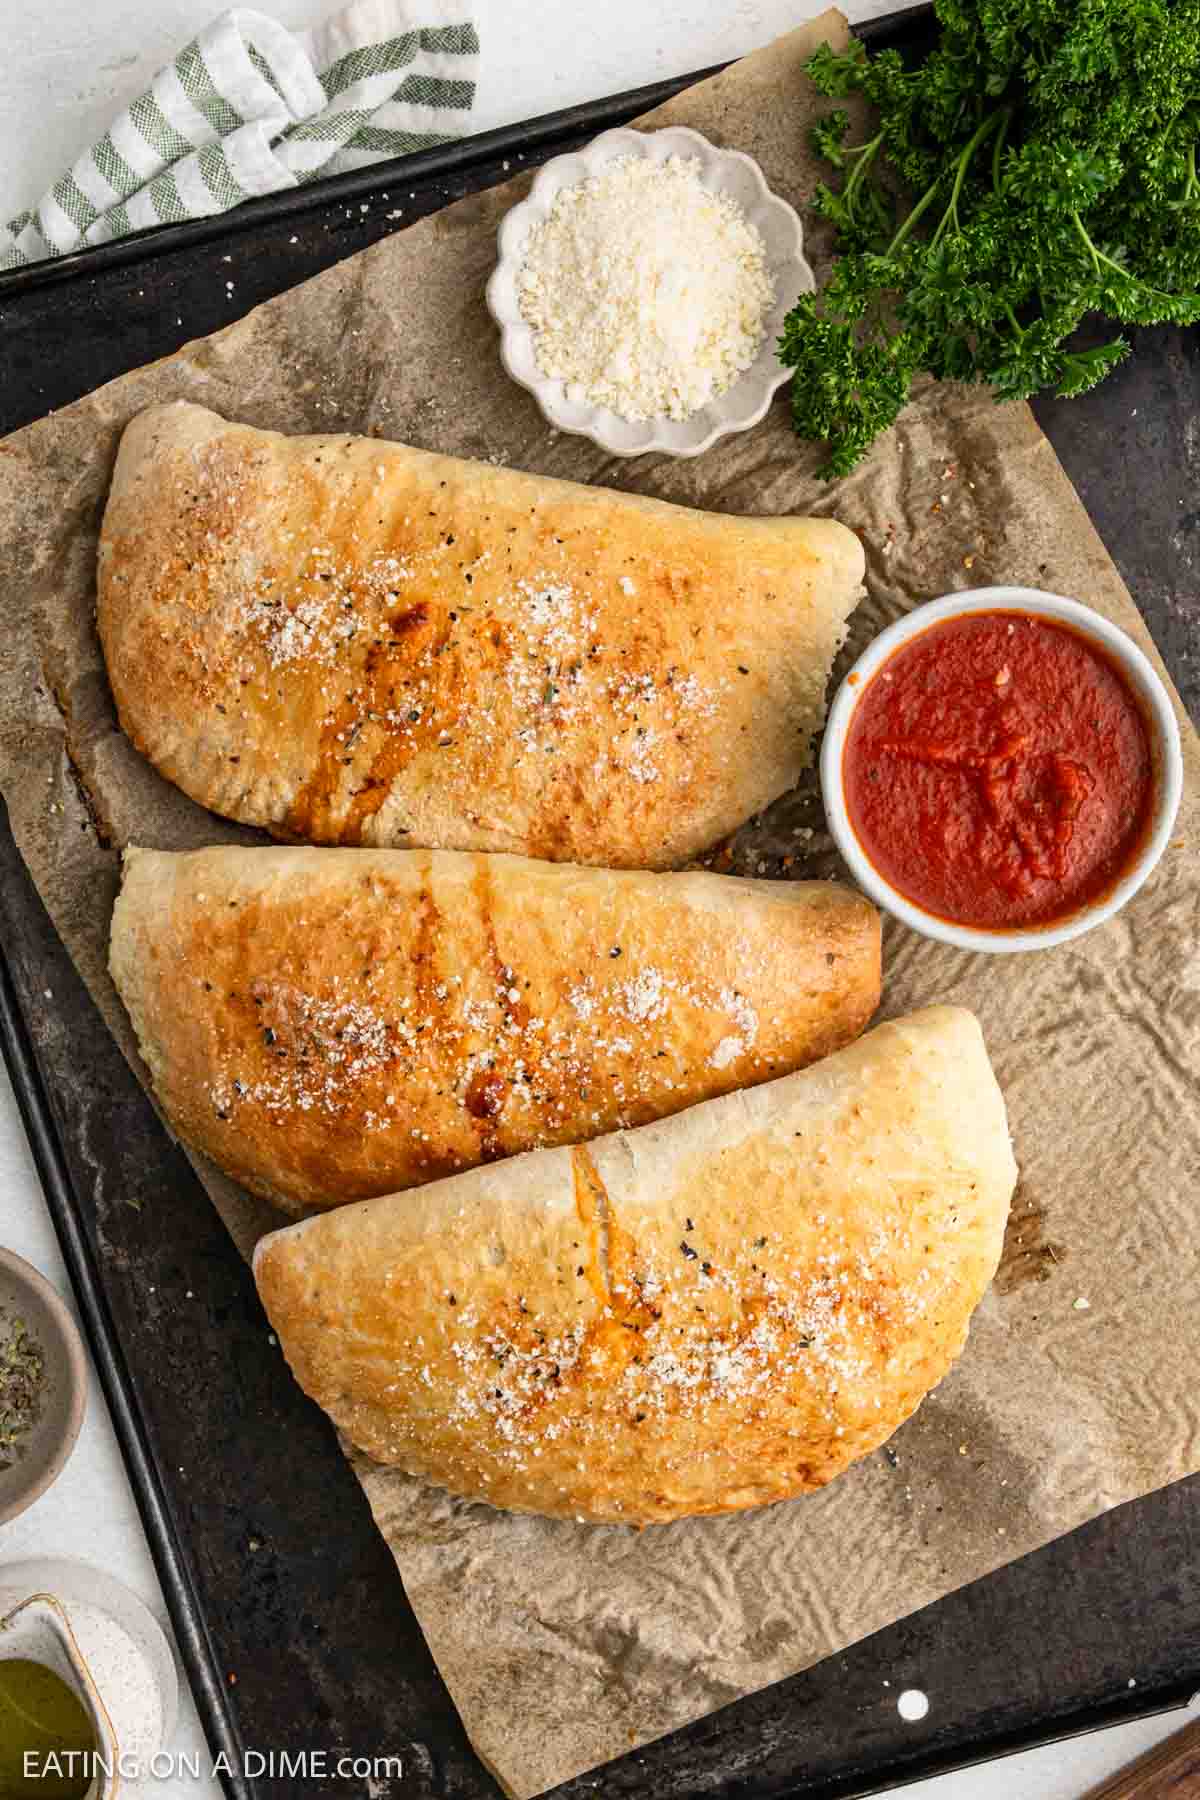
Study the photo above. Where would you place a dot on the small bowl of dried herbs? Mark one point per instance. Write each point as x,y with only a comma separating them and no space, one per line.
43,1384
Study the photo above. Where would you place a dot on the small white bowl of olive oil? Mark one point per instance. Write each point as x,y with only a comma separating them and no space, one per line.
88,1686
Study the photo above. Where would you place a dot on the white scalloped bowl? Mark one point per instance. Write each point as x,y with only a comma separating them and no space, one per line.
721,171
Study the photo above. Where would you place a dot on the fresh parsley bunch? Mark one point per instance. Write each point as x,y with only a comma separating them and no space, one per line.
1037,165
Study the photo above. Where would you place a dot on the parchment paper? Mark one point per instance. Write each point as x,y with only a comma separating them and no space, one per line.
563,1645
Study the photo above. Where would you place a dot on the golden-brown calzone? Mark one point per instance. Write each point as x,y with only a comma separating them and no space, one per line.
352,642
709,1313
332,1024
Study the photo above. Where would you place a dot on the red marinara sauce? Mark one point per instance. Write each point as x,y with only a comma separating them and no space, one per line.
998,771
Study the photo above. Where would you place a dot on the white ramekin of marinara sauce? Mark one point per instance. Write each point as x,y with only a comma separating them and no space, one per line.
1001,769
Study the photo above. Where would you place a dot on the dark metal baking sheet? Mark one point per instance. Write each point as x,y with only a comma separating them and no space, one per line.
290,1615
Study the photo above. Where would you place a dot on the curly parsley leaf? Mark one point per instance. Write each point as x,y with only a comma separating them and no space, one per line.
1048,150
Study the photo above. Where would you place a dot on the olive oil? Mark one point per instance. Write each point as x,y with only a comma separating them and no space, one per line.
40,1718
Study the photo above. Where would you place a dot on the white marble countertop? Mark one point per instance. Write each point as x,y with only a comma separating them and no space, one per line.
68,66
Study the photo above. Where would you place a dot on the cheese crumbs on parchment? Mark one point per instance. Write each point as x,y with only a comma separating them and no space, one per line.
646,293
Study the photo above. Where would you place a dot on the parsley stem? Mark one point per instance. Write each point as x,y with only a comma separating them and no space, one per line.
997,148
998,117
1099,257
866,154
922,206
1092,251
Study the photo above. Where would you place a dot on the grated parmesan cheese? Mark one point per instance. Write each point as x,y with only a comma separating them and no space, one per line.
646,293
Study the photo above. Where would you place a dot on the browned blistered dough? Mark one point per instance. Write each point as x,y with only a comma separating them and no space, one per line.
333,1024
709,1313
349,641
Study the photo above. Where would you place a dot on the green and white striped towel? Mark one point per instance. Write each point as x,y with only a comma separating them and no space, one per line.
250,107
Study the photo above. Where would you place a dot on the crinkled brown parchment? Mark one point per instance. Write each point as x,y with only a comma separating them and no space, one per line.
564,1646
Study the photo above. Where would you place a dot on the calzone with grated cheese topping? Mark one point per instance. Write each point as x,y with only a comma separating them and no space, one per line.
332,1024
714,1312
353,642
